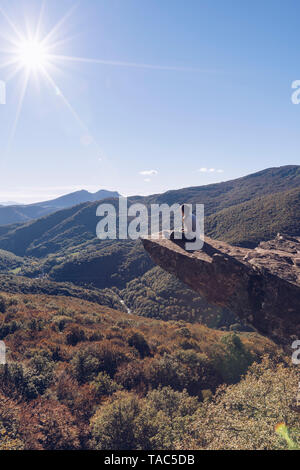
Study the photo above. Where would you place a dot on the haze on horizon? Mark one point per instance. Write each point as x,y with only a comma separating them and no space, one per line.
141,97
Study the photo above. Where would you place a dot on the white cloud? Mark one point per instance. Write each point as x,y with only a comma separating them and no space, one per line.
210,170
147,180
148,172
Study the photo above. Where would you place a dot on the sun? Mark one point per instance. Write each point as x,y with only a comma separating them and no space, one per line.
32,55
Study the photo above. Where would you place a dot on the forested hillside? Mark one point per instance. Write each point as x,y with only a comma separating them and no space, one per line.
72,365
63,246
106,351
160,295
259,219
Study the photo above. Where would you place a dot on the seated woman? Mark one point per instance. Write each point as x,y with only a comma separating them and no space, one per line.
189,222
188,231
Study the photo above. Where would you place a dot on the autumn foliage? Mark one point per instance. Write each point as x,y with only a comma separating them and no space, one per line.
84,376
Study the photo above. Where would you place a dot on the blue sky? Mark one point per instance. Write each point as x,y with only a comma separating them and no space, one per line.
185,86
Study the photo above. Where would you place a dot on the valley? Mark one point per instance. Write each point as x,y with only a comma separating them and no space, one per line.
100,339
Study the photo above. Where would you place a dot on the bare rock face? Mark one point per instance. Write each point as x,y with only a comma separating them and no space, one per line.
262,286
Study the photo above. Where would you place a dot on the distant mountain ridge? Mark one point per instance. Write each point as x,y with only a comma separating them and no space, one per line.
9,203
78,197
222,195
17,213
77,225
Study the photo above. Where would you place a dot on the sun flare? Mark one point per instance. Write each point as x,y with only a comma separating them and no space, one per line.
32,54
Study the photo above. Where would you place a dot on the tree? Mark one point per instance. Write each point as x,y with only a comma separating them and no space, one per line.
158,421
231,358
183,369
75,336
104,385
137,340
101,357
49,425
113,424
3,304
10,434
244,416
28,380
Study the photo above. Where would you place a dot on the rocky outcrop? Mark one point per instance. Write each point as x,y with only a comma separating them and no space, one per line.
262,286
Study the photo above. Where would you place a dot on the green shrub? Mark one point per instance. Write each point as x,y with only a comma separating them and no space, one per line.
29,381
138,341
231,358
3,304
61,321
103,357
76,335
9,328
132,375
113,425
183,369
158,421
104,385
